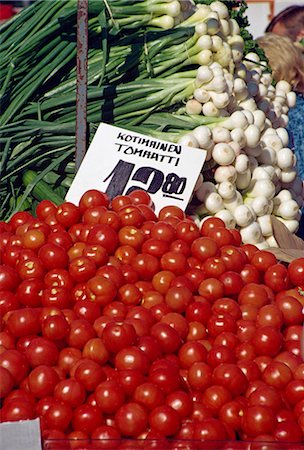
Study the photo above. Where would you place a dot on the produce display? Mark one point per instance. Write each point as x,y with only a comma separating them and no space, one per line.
183,71
125,328
119,326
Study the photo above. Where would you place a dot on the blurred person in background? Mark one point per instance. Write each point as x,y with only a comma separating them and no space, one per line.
287,63
289,22
286,59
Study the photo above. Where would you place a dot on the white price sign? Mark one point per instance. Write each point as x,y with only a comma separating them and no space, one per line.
119,161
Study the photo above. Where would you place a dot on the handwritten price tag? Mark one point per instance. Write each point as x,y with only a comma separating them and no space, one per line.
119,161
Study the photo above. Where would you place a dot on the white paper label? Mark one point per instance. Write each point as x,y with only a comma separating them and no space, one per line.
23,435
119,161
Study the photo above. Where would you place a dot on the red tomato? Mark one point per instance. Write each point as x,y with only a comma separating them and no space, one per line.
210,224
203,248
277,277
68,214
7,382
210,429
146,266
81,330
296,272
211,289
222,236
42,381
105,236
267,340
168,337
262,260
17,409
149,395
214,397
101,290
233,283
89,374
214,267
87,418
42,351
230,376
288,431
23,322
165,420
199,376
82,269
253,293
132,236
233,257
45,208
53,256
258,420
117,336
131,419
291,310
93,197
71,392
9,278
178,298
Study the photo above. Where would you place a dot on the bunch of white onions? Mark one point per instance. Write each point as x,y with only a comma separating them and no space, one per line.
254,168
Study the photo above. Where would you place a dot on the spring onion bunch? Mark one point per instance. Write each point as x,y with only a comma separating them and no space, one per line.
198,80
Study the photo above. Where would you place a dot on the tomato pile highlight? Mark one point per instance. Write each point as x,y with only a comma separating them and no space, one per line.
117,324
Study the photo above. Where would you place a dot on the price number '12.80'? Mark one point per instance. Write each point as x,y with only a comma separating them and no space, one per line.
153,180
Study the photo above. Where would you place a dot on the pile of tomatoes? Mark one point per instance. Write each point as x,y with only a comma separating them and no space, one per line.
118,324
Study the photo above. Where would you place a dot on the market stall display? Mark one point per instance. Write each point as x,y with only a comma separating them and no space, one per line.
192,76
125,326
120,328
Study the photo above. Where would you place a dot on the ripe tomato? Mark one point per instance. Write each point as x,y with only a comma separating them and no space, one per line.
277,277
178,298
116,336
53,256
87,418
131,419
9,278
213,267
253,293
42,351
163,231
17,409
258,420
233,283
93,197
165,420
70,391
210,429
296,272
291,310
67,214
42,381
81,330
267,340
89,374
82,269
45,208
149,395
187,231
101,290
211,223
211,289
203,248
262,260
105,236
222,236
7,382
